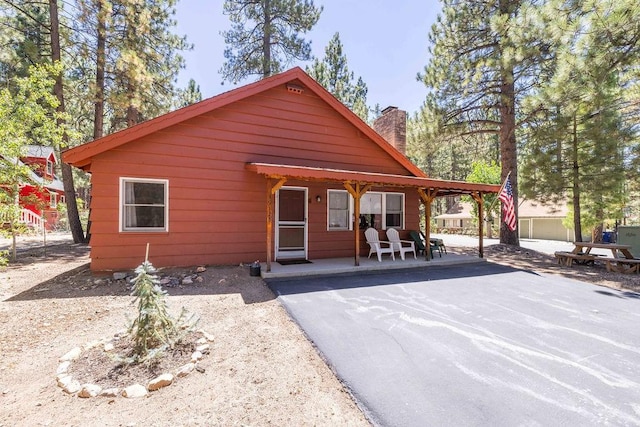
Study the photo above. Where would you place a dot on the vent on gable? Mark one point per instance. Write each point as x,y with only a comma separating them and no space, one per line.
293,88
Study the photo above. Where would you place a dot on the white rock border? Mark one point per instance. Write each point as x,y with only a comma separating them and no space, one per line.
70,386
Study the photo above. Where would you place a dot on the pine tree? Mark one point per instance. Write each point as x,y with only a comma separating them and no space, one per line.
483,56
190,95
577,142
332,72
265,36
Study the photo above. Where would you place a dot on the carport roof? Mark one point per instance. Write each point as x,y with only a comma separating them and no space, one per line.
306,173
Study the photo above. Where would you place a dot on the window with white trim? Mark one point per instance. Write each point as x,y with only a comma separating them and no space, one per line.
394,212
339,210
382,210
144,204
49,167
377,209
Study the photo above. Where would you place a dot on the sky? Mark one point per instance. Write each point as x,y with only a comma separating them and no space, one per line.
385,42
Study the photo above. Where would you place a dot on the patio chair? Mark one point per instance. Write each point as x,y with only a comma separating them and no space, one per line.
419,242
402,246
438,243
377,246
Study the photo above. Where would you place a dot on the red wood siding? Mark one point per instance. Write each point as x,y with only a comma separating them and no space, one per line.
217,209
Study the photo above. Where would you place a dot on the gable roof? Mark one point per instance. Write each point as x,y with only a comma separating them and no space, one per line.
40,151
81,156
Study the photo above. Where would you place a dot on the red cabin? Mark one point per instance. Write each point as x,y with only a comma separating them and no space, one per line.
276,169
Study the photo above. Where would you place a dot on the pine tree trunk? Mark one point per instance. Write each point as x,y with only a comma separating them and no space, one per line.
98,114
508,150
576,182
67,176
266,41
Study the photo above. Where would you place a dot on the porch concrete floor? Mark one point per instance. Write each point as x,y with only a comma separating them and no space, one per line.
346,265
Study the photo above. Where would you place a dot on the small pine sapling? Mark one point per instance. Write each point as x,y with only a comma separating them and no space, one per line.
154,329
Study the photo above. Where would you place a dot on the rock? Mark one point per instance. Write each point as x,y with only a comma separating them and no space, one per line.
204,348
196,356
202,340
185,370
199,279
159,382
200,270
62,379
119,275
69,385
134,391
63,367
109,347
73,354
187,281
165,281
89,390
109,392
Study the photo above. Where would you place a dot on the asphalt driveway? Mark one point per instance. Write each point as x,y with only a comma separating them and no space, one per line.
477,344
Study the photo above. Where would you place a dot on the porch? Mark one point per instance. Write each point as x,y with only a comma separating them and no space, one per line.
346,265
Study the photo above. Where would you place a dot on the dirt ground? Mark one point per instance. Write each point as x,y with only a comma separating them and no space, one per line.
261,370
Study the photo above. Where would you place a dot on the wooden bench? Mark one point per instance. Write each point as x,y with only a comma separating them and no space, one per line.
568,258
622,265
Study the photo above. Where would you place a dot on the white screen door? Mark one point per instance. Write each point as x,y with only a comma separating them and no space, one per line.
291,225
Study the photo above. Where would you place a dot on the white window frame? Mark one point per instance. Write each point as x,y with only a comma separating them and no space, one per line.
121,225
384,210
349,226
383,195
49,168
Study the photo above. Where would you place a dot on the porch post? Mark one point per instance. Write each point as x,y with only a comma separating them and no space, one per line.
356,193
271,191
480,201
356,224
427,198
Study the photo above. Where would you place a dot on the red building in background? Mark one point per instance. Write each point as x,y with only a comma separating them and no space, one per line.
42,192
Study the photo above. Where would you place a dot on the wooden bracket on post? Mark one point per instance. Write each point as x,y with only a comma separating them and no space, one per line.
356,193
427,196
271,191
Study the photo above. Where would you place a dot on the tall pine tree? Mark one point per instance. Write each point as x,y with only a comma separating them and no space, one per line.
265,36
333,73
577,143
483,56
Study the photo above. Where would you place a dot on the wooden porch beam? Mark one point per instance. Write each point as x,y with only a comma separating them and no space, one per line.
477,196
427,196
271,192
356,193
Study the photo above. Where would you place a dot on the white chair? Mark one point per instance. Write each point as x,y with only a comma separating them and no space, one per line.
377,246
402,246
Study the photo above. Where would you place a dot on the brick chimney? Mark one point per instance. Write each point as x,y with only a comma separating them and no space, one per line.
392,126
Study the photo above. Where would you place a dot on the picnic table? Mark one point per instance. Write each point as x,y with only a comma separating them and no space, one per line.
622,259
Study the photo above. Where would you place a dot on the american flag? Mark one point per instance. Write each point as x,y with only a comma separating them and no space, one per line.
506,197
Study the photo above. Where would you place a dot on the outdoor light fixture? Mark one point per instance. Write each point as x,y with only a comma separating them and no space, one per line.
318,199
